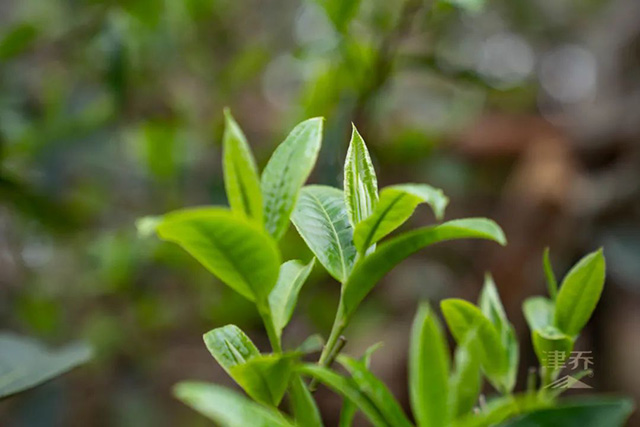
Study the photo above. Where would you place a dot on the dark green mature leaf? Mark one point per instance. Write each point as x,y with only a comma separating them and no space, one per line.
579,293
305,410
348,389
428,370
462,318
593,412
492,308
287,171
226,407
538,311
265,377
283,297
240,172
236,250
465,382
375,390
369,270
397,203
25,363
321,219
552,283
360,182
230,346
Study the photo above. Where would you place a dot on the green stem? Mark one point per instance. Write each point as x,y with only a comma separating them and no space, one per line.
329,352
274,338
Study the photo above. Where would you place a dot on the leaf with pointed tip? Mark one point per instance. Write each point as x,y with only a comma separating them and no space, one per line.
492,308
395,206
321,219
286,172
240,172
237,251
230,346
579,293
538,312
265,377
370,269
311,344
25,363
304,408
348,389
360,182
284,295
463,317
465,382
376,391
552,283
428,369
226,407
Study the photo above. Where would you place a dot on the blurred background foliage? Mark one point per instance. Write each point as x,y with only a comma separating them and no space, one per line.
525,111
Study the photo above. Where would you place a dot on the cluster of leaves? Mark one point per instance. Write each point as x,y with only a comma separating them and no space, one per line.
344,229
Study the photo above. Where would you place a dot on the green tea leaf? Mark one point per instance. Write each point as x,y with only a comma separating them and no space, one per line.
340,12
463,317
552,348
311,344
226,407
265,377
370,269
538,311
428,370
360,182
237,251
321,219
465,382
286,172
552,283
230,346
240,172
284,296
492,308
592,412
579,293
305,410
348,389
376,391
397,203
25,363
349,409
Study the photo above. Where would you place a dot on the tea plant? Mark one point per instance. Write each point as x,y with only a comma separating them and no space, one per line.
345,230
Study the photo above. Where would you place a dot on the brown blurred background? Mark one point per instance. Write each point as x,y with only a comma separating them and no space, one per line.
524,111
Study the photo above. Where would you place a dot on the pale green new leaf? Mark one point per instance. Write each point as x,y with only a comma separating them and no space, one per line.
397,203
265,377
286,172
348,389
241,179
552,347
305,410
237,251
321,219
428,370
26,363
360,182
465,382
579,293
370,269
538,312
376,391
226,407
283,297
463,317
230,346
